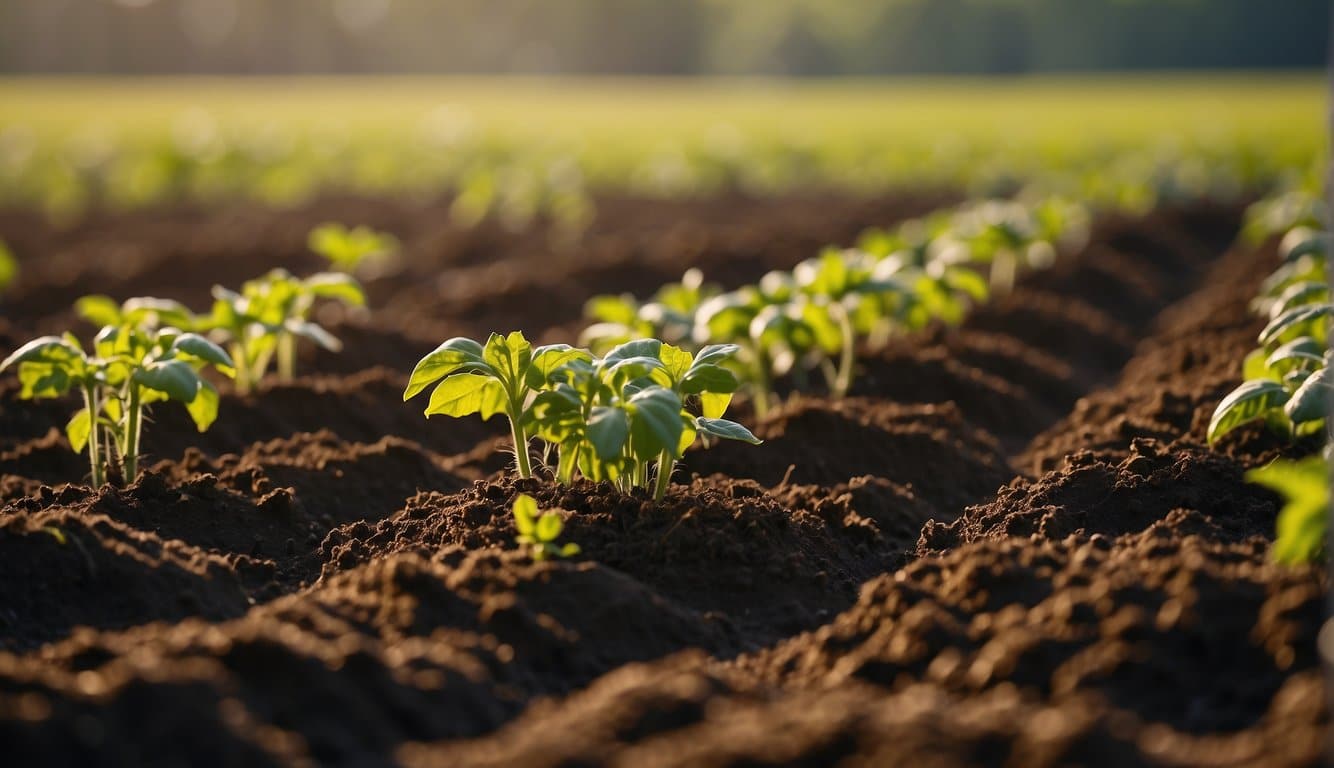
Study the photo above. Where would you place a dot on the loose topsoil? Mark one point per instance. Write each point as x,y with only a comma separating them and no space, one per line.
1010,545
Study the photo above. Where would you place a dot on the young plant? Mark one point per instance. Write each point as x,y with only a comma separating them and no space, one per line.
539,530
613,418
1303,522
669,316
1288,382
502,376
267,317
844,296
131,369
349,250
140,312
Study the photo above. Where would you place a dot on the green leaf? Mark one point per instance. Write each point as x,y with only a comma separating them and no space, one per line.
569,550
454,355
467,393
173,378
548,359
46,349
336,286
1305,320
40,380
608,428
637,349
1299,295
315,333
1311,401
203,409
1248,402
727,430
525,513
549,527
98,310
1304,519
509,356
715,354
78,429
1317,245
1255,366
714,404
619,310
197,346
656,422
709,378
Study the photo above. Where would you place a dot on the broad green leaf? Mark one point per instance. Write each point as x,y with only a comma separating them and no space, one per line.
173,378
569,550
453,355
1317,245
1311,401
46,349
547,359
1248,402
39,380
153,312
608,428
467,393
727,430
549,527
98,310
509,356
619,310
315,333
1307,320
1304,519
78,429
675,361
197,346
337,286
525,513
714,404
967,281
1298,295
709,378
1286,360
688,433
203,408
715,354
639,348
1255,366
656,422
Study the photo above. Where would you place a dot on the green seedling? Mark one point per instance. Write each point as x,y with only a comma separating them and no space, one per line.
615,417
349,250
502,376
131,368
139,312
669,316
1304,520
539,530
1287,379
269,315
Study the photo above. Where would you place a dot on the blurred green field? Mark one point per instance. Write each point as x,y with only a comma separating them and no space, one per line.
66,141
1056,110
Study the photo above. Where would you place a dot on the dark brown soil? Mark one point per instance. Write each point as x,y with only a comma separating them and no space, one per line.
1010,546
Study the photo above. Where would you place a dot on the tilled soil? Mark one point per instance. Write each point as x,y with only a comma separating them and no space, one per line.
1010,545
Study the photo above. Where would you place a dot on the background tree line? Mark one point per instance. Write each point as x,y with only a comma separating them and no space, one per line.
779,37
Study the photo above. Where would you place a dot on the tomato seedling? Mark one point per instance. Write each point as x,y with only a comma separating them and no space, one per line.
1304,520
131,368
267,317
538,530
502,376
349,250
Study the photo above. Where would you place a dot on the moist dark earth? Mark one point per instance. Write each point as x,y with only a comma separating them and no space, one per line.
1011,545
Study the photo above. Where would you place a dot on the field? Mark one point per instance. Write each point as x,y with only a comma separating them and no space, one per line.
1010,543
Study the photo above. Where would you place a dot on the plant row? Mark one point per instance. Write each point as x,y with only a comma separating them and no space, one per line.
809,321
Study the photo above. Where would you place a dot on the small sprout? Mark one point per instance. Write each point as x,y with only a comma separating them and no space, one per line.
539,530
1304,519
267,317
131,368
1288,383
502,376
349,250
